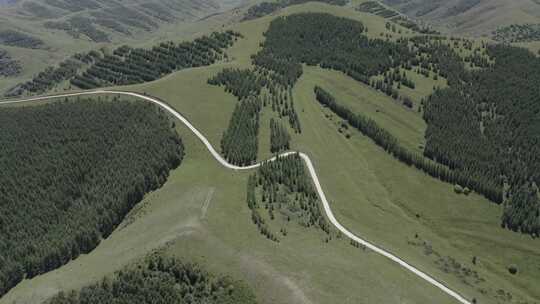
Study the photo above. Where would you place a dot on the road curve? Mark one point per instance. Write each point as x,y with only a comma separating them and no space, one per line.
306,159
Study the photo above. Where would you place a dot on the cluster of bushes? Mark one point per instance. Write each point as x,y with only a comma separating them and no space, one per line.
161,280
283,187
279,137
71,171
256,217
390,144
130,66
240,83
386,85
48,79
435,54
239,144
400,77
266,8
280,100
18,39
522,210
517,33
8,66
92,56
477,60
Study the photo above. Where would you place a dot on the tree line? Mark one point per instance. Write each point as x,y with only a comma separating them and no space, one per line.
391,145
161,280
266,8
17,39
130,66
481,130
284,187
239,144
281,101
341,44
329,41
8,66
240,83
279,137
486,124
47,79
258,84
71,171
517,33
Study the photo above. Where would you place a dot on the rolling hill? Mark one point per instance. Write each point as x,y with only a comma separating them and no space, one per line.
405,161
98,21
37,34
470,17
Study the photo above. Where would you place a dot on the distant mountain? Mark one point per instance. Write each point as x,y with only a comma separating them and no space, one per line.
7,2
474,17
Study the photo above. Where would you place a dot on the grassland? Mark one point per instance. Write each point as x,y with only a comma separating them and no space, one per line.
371,193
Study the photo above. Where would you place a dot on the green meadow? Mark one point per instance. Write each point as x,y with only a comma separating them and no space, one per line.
201,215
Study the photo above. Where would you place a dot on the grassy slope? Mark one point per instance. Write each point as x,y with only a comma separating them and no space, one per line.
479,20
405,193
405,124
371,193
378,197
302,269
60,45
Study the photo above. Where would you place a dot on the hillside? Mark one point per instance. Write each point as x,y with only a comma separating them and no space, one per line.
420,143
99,21
38,34
72,206
470,17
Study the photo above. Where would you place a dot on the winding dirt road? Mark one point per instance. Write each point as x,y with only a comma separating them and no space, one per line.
306,159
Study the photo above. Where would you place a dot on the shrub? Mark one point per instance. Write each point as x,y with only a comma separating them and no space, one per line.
408,103
513,269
